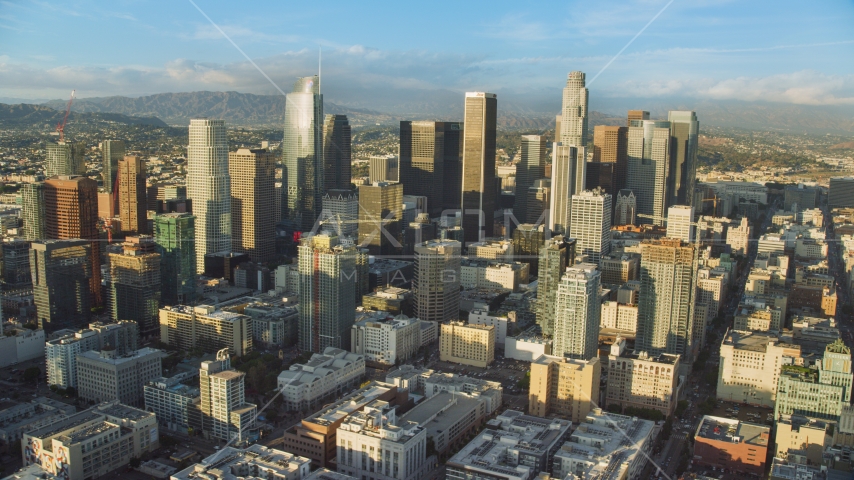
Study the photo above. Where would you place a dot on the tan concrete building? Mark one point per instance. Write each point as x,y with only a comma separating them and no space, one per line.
750,366
620,316
758,317
618,269
565,387
253,220
132,196
638,380
800,439
203,326
467,344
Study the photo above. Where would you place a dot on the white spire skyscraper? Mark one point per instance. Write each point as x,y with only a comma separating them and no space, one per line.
571,126
302,153
209,186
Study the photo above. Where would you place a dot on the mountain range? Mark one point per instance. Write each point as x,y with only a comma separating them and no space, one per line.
41,116
248,109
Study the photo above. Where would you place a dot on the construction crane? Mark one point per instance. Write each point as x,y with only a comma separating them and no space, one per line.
714,201
60,127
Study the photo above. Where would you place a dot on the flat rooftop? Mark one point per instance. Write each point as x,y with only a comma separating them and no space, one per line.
753,341
733,431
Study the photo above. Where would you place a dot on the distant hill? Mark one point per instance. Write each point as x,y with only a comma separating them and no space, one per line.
42,116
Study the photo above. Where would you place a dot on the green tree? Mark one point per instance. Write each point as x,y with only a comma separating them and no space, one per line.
32,373
134,462
681,406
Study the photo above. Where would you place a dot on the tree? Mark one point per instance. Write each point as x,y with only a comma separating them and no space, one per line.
681,406
525,382
134,462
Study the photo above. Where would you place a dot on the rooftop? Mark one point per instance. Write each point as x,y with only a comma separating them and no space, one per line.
118,360
349,404
733,431
232,464
754,341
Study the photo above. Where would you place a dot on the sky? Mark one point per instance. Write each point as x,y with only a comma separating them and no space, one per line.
381,54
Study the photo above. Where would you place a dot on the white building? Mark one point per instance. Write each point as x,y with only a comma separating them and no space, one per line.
104,376
209,185
528,346
679,220
381,338
23,345
578,312
590,224
488,391
372,442
254,461
500,321
501,250
619,316
171,400
490,274
341,212
606,445
304,386
750,366
62,350
738,238
225,413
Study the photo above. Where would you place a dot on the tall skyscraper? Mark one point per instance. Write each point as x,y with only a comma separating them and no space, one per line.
111,152
175,235
590,224
132,196
453,168
209,186
649,167
577,313
381,217
253,224
71,212
478,187
626,207
422,161
225,413
636,115
327,291
436,283
569,172
61,271
610,145
531,167
302,153
33,210
684,130
557,254
601,175
665,304
65,158
537,205
571,125
528,239
679,220
341,212
135,287
336,152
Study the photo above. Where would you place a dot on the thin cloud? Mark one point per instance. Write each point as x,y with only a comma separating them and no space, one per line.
209,32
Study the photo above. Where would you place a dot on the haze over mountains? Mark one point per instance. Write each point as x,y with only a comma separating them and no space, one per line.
266,110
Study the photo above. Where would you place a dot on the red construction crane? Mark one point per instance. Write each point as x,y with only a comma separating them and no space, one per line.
60,127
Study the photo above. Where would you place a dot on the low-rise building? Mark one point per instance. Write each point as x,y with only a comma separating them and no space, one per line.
619,316
491,274
274,324
16,419
315,436
514,446
606,446
187,327
757,316
448,418
20,345
467,344
62,348
740,447
383,338
636,379
171,400
801,439
563,386
92,443
393,300
490,392
335,371
501,321
254,461
104,376
491,249
528,346
618,269
372,441
750,364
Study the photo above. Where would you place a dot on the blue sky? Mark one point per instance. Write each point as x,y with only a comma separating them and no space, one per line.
378,53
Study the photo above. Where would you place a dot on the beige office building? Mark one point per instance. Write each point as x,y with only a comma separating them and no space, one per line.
750,366
638,380
186,327
253,220
467,344
436,284
104,376
564,387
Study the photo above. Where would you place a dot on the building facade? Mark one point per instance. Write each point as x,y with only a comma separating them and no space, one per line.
577,312
203,326
467,344
175,236
253,219
135,286
564,387
209,185
104,376
478,163
436,283
590,224
302,154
